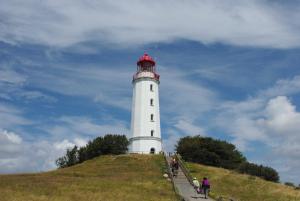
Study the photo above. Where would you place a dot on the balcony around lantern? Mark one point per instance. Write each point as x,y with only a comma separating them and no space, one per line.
146,74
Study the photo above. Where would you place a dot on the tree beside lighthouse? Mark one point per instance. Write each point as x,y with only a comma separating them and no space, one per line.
145,118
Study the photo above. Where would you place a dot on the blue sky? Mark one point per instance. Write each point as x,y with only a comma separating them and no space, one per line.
229,70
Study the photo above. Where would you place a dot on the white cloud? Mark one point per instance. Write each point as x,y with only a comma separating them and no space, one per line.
67,144
188,128
269,112
9,143
178,93
170,141
283,87
18,155
260,120
32,157
80,142
269,118
11,77
65,23
120,102
87,126
32,95
10,136
282,116
10,81
11,116
181,128
87,81
63,145
12,85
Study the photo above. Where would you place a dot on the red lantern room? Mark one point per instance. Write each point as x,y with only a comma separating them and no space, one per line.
146,64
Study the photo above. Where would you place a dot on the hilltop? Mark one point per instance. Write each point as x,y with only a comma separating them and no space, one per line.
133,177
123,177
242,187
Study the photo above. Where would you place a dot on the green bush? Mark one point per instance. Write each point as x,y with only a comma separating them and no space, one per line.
109,144
261,171
209,151
71,158
289,184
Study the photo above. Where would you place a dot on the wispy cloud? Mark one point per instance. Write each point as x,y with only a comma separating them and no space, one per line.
106,85
284,87
9,142
87,126
65,23
11,116
189,129
9,76
179,91
13,83
33,95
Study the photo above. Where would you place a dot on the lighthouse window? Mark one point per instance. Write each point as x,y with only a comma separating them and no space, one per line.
152,117
151,87
151,102
152,133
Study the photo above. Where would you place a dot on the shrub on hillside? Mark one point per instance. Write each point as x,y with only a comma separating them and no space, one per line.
109,144
261,171
289,184
209,151
71,158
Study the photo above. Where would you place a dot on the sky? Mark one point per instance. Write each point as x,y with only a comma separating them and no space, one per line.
229,70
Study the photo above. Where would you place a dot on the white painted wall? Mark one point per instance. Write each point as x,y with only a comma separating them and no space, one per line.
141,124
143,146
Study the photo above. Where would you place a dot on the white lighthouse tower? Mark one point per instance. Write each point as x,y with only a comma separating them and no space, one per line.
145,120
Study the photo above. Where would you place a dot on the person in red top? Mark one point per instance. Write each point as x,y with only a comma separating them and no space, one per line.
205,187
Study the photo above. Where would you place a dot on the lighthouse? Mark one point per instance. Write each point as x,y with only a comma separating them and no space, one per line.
145,120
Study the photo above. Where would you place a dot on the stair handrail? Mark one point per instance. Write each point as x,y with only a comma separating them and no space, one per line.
179,197
184,169
190,178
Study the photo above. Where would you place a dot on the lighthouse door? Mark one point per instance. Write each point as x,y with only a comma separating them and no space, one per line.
152,151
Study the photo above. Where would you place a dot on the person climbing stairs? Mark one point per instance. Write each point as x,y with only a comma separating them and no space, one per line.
184,187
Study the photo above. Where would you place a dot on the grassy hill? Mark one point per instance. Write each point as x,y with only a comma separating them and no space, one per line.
241,187
124,177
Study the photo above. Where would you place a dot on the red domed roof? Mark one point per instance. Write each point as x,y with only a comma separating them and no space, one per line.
144,58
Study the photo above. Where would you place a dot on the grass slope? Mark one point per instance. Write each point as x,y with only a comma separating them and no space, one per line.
124,177
242,187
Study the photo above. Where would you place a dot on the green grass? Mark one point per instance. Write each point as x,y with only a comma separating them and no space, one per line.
124,177
242,187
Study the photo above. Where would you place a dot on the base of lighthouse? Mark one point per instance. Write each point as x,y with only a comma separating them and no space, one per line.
145,145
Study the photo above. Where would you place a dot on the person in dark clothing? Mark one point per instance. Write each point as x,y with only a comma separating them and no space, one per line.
174,166
205,186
